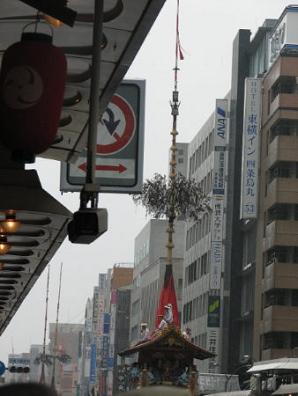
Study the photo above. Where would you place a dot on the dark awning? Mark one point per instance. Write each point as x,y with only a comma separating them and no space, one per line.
44,219
127,23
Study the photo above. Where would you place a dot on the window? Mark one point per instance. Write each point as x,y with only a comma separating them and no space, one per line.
204,261
295,298
273,340
284,85
275,297
278,212
211,142
281,170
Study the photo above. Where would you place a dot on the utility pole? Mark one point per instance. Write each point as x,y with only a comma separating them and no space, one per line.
43,356
55,349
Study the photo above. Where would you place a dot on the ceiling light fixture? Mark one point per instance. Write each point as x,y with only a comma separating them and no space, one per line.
10,224
4,245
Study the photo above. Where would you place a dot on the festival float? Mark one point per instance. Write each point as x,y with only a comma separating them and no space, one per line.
165,357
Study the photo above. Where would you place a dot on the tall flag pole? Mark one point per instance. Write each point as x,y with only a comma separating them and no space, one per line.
168,295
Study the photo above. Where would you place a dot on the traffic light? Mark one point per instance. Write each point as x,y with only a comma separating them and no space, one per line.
19,369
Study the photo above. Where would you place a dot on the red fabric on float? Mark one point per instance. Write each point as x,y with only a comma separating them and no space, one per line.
167,296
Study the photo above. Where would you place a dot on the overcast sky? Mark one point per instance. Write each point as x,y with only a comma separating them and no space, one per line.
207,29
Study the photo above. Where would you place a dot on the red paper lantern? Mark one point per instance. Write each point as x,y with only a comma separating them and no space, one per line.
32,82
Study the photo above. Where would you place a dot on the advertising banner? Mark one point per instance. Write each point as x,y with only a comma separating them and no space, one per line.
219,171
92,378
250,148
213,311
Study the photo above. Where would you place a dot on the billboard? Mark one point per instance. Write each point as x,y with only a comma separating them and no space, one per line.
250,148
285,35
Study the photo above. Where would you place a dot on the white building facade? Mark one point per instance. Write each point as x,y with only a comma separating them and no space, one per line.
204,253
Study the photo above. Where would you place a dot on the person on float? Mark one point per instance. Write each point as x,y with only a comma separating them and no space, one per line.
167,317
187,334
145,333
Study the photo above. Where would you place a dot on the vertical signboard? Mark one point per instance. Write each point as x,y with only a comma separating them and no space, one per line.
250,148
220,139
217,227
92,378
213,311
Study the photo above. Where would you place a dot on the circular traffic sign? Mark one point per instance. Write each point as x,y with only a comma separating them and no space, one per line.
117,127
2,368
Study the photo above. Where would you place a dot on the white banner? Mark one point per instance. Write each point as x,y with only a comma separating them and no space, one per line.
250,148
213,347
220,140
216,243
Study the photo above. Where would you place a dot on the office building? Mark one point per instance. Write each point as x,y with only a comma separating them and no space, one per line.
276,293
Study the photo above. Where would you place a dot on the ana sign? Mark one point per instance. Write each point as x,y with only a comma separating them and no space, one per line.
120,144
220,133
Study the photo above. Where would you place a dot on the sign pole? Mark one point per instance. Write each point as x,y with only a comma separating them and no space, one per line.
89,192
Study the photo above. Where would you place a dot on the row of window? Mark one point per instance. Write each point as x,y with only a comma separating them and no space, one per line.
197,269
198,230
281,254
195,308
283,169
284,85
201,153
200,340
282,212
281,297
283,127
149,298
280,340
206,183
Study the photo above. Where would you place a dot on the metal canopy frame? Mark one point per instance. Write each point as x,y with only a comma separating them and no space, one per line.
126,25
44,220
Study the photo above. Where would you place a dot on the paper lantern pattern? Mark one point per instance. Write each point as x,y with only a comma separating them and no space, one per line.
32,82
